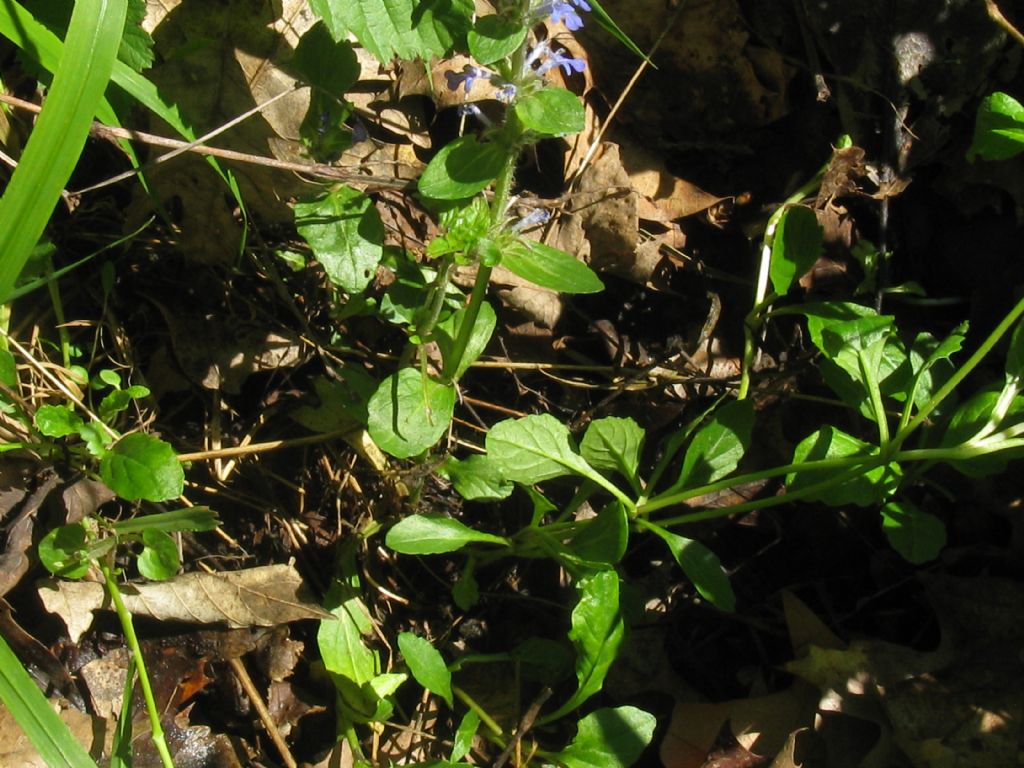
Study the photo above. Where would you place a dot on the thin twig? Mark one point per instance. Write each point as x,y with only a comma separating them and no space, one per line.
524,725
270,445
264,714
318,170
997,16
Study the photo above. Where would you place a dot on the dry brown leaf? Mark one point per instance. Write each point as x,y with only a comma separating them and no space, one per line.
663,196
255,597
16,751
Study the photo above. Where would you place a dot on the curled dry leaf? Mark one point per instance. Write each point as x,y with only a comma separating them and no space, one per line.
255,597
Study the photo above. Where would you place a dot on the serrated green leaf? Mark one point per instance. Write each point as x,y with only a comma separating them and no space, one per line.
701,566
551,112
614,444
609,738
549,267
534,449
493,38
864,490
141,466
716,450
136,49
476,478
64,551
346,235
597,633
409,413
797,244
57,420
326,64
403,28
999,129
434,535
426,665
462,168
918,536
159,558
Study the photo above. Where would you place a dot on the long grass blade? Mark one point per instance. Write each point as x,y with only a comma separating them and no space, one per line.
94,35
30,709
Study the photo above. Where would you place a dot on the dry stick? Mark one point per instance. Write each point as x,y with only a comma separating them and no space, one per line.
997,16
524,725
319,170
261,709
271,445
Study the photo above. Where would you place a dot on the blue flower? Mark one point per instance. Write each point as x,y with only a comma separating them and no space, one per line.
466,77
563,11
559,59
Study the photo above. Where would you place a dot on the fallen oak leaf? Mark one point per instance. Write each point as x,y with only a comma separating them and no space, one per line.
261,597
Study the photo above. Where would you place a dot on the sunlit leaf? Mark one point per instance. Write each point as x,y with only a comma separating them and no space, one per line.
918,536
409,413
426,665
433,535
141,466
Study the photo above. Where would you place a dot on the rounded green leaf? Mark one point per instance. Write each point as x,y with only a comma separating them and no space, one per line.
717,448
614,443
461,169
426,665
551,112
322,62
64,551
550,268
918,536
409,413
533,449
159,559
999,129
493,38
609,738
864,490
434,535
141,466
57,420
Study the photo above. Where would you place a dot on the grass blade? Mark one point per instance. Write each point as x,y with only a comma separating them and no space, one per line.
32,711
94,35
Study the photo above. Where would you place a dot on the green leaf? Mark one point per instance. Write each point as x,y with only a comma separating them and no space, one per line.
476,478
188,519
969,419
701,566
8,369
402,28
342,401
345,654
346,235
463,741
64,551
797,244
998,130
60,131
864,490
95,437
447,331
462,168
141,466
597,633
409,413
928,359
49,734
609,738
551,112
603,539
918,536
717,448
465,591
434,535
57,420
614,444
136,49
493,38
550,268
326,64
159,559
534,449
113,403
427,665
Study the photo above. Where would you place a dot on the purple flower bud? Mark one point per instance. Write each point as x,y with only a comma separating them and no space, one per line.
534,218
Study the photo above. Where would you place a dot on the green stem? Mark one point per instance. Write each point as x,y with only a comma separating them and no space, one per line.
954,381
133,644
868,371
486,719
435,303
